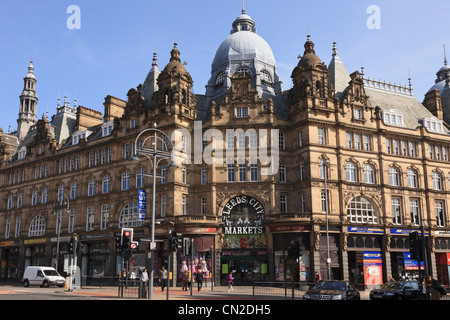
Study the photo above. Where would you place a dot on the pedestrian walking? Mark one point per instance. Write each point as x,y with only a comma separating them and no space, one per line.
144,276
230,281
163,278
199,279
433,289
185,281
133,276
317,277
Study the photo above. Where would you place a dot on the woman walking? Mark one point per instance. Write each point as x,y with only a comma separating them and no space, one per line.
230,281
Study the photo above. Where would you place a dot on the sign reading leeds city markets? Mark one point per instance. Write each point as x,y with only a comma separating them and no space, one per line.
243,217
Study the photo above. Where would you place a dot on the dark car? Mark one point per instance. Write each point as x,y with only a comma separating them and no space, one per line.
332,290
397,290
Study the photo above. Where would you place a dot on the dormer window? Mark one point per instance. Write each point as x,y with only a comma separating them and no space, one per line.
78,135
433,124
266,77
107,128
393,117
22,153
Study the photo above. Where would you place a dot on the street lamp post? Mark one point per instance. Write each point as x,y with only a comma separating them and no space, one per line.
149,148
324,164
57,210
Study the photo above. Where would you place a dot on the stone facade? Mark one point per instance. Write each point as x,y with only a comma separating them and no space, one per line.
368,155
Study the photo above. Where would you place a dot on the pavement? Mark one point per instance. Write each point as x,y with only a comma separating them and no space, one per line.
217,293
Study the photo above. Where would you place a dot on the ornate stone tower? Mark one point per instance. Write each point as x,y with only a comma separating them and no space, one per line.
28,104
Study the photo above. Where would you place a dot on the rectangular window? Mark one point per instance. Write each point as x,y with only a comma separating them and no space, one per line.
321,135
358,144
242,173
163,206
440,213
230,139
388,146
253,172
126,151
396,211
324,201
71,221
282,140
183,205
349,139
231,173
17,231
203,207
90,219
104,217
414,210
303,203
283,203
241,112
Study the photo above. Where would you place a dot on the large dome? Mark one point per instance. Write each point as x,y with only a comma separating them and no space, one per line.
243,45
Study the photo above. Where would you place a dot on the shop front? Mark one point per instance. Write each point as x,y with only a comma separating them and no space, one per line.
365,259
442,253
285,267
204,250
10,268
244,245
35,253
96,258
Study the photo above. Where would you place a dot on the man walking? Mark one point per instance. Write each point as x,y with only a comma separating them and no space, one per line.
163,278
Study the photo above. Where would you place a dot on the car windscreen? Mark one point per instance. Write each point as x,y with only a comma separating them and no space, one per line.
330,286
51,273
392,285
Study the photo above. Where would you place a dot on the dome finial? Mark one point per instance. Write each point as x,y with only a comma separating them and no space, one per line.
243,6
445,57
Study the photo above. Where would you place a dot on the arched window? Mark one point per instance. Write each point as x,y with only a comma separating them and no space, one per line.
37,227
61,193
350,172
360,210
106,184
126,180
412,178
91,187
394,177
221,78
437,181
369,174
242,72
265,76
129,216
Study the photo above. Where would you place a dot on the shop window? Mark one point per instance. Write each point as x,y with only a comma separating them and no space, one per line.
443,244
368,243
359,242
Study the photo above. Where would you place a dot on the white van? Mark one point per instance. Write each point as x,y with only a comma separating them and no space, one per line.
42,276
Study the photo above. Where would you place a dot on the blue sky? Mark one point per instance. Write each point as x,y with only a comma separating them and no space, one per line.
113,50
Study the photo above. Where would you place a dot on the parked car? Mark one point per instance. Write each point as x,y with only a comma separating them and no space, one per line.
332,290
397,290
42,276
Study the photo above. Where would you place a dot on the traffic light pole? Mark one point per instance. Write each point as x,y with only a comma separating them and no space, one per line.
424,258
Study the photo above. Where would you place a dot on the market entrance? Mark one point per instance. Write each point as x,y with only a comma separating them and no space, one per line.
245,269
244,247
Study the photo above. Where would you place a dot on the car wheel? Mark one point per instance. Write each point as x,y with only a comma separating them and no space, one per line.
45,284
26,283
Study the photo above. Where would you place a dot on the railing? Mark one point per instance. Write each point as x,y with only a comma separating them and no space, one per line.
108,281
287,289
132,289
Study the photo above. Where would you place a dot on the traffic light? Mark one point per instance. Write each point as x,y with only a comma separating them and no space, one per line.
175,241
71,245
291,250
126,238
186,246
414,245
118,244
